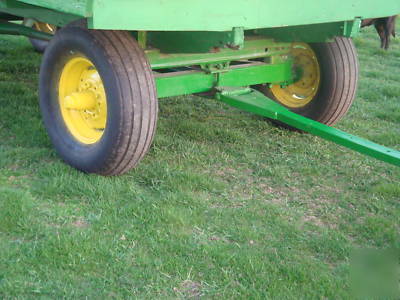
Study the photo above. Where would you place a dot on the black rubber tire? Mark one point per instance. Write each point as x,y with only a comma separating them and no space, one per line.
339,80
39,45
131,99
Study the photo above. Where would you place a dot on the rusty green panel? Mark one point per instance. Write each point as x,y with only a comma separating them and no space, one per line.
223,15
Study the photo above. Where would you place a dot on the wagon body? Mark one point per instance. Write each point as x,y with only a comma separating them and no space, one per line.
206,15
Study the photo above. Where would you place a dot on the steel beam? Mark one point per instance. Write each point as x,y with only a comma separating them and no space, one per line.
190,82
254,47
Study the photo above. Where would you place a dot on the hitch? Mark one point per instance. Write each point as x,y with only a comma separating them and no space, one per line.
255,102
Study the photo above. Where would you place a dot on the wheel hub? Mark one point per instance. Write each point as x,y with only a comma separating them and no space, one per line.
83,100
307,79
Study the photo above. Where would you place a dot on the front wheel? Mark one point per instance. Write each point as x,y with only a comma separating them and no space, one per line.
326,79
98,99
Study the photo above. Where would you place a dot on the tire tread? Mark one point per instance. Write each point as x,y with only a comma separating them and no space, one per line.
136,85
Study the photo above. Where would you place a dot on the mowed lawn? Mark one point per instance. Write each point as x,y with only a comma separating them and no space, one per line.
226,205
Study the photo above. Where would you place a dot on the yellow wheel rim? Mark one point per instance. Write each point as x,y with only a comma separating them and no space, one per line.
305,88
45,27
83,100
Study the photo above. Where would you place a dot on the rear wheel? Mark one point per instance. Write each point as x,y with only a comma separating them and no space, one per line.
98,99
326,78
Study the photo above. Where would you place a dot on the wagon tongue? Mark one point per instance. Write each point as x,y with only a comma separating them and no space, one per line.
253,101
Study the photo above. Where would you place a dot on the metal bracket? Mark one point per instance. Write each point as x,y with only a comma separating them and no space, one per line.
216,68
352,28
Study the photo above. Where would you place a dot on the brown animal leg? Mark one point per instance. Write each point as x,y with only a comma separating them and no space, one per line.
380,28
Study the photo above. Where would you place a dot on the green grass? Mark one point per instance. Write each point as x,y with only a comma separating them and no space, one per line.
224,206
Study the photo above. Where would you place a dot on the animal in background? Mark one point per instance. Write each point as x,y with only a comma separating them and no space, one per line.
386,27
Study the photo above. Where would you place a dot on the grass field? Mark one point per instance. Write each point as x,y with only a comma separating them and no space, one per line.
225,205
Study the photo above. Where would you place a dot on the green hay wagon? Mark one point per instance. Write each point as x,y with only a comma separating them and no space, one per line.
105,69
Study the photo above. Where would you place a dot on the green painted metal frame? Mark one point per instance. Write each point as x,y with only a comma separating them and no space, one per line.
254,47
190,82
16,29
253,101
259,61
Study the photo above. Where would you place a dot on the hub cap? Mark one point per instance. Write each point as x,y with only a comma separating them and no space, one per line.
307,78
83,100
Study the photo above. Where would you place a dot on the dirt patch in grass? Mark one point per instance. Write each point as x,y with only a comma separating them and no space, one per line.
189,289
80,223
